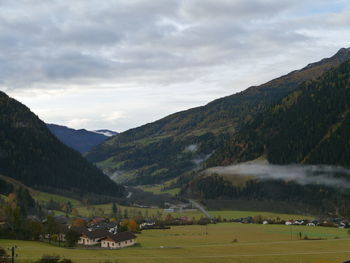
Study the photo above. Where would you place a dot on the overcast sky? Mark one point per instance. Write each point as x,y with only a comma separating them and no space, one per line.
120,64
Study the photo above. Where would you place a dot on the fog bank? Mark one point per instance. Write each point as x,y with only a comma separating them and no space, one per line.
302,174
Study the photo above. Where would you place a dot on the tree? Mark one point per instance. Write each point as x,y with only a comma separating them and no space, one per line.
4,258
258,219
51,226
123,226
79,222
53,259
14,219
72,238
114,208
132,225
126,214
36,229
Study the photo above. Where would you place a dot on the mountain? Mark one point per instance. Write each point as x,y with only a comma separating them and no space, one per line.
80,140
309,126
183,141
31,154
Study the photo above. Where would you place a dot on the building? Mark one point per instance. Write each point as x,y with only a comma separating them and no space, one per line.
90,238
119,240
109,226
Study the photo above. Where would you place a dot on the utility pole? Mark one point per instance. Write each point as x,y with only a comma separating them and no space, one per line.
13,253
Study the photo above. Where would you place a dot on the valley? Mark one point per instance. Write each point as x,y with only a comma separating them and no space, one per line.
199,131
263,173
224,242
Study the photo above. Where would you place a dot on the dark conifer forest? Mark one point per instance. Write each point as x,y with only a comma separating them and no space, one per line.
31,154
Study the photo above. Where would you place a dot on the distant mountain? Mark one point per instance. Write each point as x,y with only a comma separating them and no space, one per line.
182,142
80,140
31,154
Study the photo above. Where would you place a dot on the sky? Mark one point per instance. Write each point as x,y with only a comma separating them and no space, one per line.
120,64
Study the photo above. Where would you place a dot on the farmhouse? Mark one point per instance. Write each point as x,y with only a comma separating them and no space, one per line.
90,238
120,240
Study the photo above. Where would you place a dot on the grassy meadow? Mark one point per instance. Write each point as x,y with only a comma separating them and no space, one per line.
228,214
225,242
106,210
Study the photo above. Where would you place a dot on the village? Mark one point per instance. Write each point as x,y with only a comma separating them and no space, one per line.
106,233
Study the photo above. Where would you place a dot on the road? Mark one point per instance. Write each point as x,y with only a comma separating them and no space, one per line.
200,208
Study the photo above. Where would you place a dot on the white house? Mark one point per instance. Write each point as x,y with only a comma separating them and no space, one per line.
119,240
90,238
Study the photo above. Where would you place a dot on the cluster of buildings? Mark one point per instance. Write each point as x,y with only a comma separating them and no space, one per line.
332,222
99,232
105,238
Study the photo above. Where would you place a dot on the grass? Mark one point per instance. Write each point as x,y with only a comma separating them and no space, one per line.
255,243
106,209
159,188
43,197
267,215
134,211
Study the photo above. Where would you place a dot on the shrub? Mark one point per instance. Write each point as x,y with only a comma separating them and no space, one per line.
4,258
53,259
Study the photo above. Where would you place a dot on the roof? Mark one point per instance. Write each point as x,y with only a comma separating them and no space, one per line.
78,229
63,228
98,233
98,219
104,225
61,219
119,237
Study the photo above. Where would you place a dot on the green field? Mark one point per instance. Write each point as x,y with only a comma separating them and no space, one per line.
268,215
43,197
106,209
159,188
254,243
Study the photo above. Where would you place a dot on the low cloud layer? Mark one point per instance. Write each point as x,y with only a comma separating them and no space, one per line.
179,53
301,174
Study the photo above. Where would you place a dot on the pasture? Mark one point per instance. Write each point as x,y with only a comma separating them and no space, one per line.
106,210
225,242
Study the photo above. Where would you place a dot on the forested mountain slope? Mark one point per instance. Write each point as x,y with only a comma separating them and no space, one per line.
183,141
32,155
80,140
309,126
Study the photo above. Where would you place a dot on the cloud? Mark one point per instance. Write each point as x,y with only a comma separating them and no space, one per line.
157,46
77,122
301,174
191,148
113,116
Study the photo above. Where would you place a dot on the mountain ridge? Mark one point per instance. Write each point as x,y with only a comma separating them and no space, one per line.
32,155
80,140
156,151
